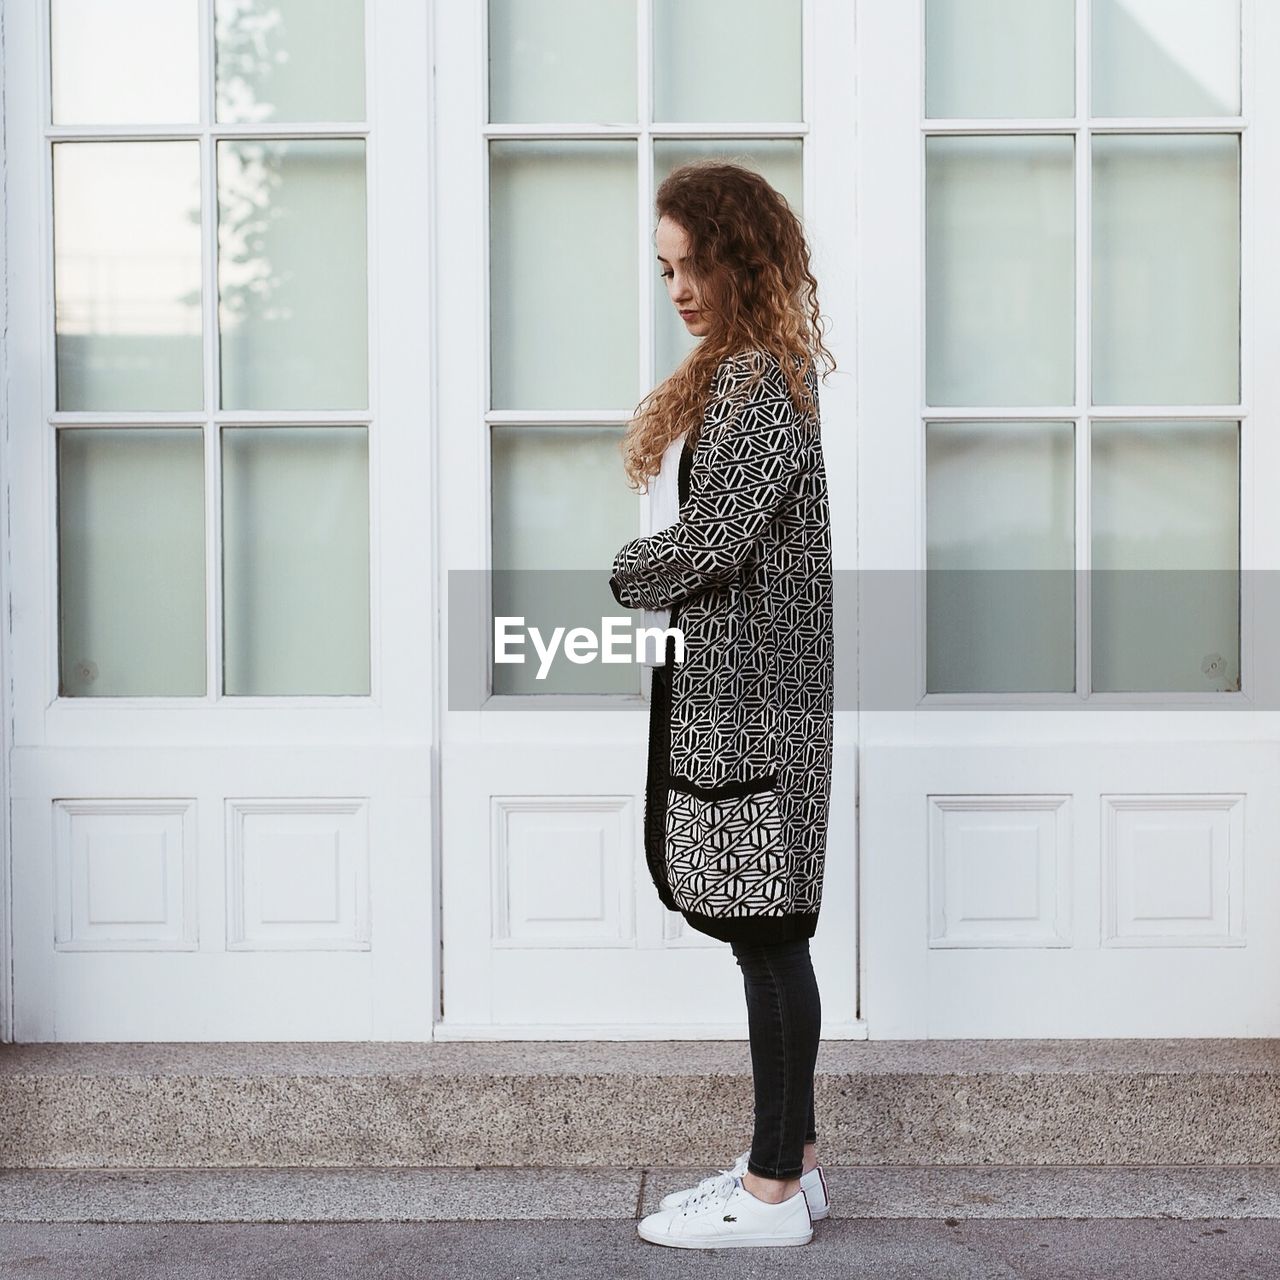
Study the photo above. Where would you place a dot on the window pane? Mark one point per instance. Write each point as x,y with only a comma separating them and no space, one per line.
778,160
1153,58
999,271
1166,497
292,279
562,61
1166,269
999,58
727,60
561,506
295,573
563,286
126,246
127,62
131,580
289,59
1000,584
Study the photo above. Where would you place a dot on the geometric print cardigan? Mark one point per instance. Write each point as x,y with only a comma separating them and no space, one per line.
740,733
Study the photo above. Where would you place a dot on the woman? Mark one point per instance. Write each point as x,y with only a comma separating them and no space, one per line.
739,770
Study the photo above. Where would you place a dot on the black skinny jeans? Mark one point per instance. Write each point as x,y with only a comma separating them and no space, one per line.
784,1021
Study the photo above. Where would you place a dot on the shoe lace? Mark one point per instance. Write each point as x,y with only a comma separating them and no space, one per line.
718,1186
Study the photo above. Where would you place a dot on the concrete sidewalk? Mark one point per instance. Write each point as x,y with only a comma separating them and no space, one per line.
850,1248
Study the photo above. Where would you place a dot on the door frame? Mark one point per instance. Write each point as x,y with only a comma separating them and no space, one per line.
6,630
891,277
226,758
607,735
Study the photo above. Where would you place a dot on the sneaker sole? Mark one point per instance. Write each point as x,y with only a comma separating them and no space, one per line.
727,1242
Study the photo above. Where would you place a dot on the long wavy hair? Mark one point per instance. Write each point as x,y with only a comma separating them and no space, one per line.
749,261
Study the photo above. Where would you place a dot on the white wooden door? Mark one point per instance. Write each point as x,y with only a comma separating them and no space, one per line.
1067,418
553,326
220,367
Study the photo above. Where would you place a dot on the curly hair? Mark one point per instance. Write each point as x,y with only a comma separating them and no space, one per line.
749,259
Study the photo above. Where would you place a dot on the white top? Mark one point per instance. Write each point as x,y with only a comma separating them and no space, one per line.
664,511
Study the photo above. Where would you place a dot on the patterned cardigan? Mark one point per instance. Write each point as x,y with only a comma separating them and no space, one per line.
746,571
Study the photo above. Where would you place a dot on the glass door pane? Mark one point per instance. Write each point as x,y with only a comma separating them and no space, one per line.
289,59
127,283
999,270
293,313
131,579
1154,58
1000,583
1166,269
556,518
563,292
562,60
727,60
295,569
999,58
127,62
1166,559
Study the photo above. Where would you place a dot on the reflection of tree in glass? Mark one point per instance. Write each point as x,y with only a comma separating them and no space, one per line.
283,202
250,39
249,173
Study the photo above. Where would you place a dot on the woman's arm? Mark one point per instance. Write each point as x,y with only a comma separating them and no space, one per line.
741,474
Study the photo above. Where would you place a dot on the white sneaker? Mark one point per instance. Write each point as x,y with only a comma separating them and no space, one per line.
813,1184
726,1215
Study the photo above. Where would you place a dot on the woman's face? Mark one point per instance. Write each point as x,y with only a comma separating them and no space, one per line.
672,248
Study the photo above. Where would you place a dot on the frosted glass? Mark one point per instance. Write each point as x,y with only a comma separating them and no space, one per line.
292,274
126,257
727,60
561,509
779,160
562,60
1166,556
1166,269
1166,57
127,62
289,59
999,58
1000,583
999,271
562,279
295,572
131,580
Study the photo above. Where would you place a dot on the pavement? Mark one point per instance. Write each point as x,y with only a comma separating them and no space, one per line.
900,1249
1057,1222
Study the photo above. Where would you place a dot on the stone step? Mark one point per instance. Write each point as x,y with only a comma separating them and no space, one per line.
941,1192
631,1104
